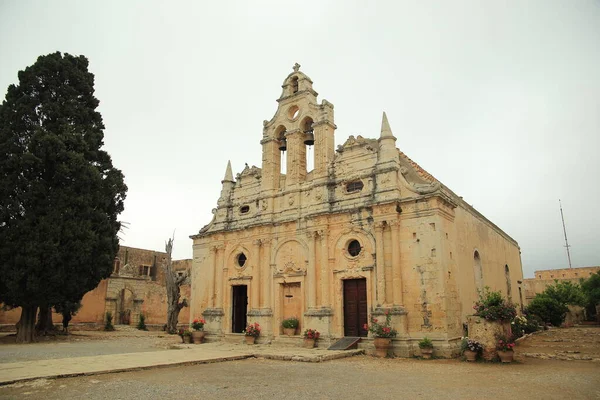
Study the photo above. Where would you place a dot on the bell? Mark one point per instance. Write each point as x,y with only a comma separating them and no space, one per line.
310,138
282,144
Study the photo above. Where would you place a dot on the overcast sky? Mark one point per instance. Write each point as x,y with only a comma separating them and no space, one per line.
500,101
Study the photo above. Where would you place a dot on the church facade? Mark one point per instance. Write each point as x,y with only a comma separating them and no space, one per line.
366,232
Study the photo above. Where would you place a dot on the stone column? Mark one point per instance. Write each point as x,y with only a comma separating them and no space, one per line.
396,269
212,273
268,276
324,269
256,280
311,279
380,263
219,284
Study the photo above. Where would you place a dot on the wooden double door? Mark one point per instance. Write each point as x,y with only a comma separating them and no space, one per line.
355,307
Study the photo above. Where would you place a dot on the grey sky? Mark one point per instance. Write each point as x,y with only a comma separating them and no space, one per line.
498,100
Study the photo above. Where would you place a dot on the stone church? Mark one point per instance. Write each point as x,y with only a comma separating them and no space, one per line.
366,231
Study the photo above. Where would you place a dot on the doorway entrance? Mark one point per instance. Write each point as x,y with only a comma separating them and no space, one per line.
239,308
355,307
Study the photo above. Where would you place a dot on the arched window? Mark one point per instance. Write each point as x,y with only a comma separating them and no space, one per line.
294,84
478,270
508,284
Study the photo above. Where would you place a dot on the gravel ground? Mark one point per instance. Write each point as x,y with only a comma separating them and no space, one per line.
85,343
359,377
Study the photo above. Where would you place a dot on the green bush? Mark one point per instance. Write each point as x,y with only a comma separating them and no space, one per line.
493,307
523,325
108,326
591,288
426,343
548,309
142,323
566,293
290,323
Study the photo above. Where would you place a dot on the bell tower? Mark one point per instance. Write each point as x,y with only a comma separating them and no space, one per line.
300,121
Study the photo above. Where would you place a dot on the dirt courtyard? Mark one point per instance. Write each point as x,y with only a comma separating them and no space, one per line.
555,364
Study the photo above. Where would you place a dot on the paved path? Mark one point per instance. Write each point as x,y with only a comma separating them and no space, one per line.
185,355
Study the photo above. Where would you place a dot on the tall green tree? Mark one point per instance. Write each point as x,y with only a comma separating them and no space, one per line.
60,194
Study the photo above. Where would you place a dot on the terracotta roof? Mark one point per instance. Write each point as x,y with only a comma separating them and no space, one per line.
422,173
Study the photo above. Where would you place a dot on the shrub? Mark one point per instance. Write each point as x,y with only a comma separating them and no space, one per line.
470,344
108,326
198,324
591,288
505,343
493,307
522,325
383,330
142,323
425,343
549,310
290,323
252,330
311,334
566,293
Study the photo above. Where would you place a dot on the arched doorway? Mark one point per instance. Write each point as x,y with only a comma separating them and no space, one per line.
126,306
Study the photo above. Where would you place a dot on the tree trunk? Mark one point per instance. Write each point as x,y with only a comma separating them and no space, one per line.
65,322
44,324
173,283
26,325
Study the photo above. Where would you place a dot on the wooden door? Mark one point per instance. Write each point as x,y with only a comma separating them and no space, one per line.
355,307
239,308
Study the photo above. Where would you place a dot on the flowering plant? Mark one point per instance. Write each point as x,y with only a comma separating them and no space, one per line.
290,323
187,332
381,330
505,343
493,307
311,334
198,324
252,330
471,344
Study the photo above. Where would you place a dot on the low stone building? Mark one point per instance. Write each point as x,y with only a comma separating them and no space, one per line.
366,231
137,285
544,278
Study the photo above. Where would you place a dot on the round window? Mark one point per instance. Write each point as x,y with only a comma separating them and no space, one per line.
293,112
354,248
241,259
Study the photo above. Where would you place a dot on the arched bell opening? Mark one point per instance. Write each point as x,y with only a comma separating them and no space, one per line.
309,140
294,84
282,143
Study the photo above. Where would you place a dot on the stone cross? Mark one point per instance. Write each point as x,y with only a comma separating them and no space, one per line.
296,67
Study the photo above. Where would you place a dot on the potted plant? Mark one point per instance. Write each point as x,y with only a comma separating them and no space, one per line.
382,334
198,333
505,347
251,332
310,338
426,346
187,336
471,348
290,325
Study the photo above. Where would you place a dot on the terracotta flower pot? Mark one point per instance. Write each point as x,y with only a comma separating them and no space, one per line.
382,346
187,339
289,331
426,352
309,343
250,339
506,356
198,336
470,355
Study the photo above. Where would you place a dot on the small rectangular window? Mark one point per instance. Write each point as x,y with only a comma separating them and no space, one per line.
355,186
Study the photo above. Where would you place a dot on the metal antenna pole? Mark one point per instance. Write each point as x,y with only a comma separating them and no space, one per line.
565,231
